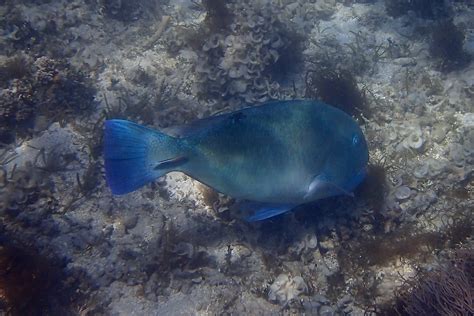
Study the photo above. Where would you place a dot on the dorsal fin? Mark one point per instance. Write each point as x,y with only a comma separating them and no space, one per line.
186,130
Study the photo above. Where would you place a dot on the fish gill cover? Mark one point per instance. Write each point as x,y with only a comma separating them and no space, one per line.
179,247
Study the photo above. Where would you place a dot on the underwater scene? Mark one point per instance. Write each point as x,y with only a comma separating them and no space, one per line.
211,157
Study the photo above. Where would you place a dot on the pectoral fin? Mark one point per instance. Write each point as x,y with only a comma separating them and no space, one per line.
321,188
263,211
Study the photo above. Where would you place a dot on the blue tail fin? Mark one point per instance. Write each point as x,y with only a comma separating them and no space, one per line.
135,155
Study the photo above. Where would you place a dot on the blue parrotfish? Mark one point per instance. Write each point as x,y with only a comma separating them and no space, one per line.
275,156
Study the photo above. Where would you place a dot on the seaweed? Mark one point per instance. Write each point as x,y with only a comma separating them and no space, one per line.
143,108
125,11
23,188
365,290
428,9
374,190
446,290
337,87
218,16
406,242
290,55
17,111
459,230
19,33
88,183
382,249
15,67
54,160
447,45
177,256
63,92
336,284
31,284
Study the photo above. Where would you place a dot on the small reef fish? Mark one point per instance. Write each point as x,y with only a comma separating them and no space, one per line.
276,156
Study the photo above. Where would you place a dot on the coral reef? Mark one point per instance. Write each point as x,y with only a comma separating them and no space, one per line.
41,88
240,62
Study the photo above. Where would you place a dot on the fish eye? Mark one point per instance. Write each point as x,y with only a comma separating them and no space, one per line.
355,140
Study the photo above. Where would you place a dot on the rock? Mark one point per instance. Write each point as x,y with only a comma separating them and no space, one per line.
326,311
439,131
130,222
402,193
321,299
285,288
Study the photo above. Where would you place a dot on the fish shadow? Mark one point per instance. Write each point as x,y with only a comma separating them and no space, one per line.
320,218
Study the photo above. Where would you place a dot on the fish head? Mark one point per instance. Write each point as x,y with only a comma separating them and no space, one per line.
348,166
358,158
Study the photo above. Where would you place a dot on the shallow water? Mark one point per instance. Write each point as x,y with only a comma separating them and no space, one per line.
174,247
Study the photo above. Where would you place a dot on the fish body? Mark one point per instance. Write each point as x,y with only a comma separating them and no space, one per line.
279,154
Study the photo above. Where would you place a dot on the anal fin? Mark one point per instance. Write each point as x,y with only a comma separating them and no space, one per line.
263,211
